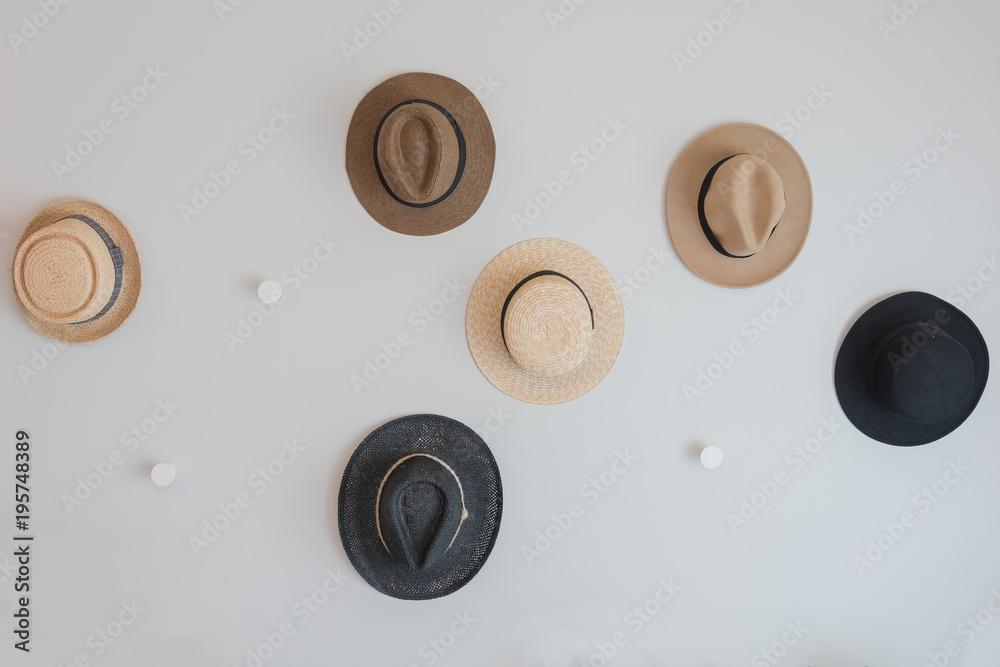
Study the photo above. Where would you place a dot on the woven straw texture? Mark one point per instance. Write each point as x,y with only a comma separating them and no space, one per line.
684,187
466,453
561,314
480,145
35,272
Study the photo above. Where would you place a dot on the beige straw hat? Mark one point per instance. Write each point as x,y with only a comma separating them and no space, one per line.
545,321
77,272
739,204
420,153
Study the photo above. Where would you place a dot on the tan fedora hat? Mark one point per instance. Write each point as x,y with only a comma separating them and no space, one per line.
420,153
545,321
77,273
739,204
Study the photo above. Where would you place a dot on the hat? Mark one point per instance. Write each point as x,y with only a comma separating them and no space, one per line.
911,369
419,506
545,321
420,153
739,203
77,272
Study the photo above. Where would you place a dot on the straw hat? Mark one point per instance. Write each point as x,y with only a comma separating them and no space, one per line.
739,204
77,272
419,506
545,321
911,369
420,153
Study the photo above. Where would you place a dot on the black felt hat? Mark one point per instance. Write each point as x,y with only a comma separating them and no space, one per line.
419,506
911,369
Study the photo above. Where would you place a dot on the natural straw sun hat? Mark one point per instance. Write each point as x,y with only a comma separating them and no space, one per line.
77,273
545,321
911,369
419,506
420,153
739,205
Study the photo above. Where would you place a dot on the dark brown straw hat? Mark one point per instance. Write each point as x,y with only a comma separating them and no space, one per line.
419,506
77,273
420,153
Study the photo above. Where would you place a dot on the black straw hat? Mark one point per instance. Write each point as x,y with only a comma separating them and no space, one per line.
419,506
911,369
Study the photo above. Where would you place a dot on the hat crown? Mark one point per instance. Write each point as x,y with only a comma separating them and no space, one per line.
420,510
743,204
922,374
548,326
64,273
419,153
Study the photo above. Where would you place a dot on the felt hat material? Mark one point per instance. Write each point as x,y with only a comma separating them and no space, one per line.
739,205
911,369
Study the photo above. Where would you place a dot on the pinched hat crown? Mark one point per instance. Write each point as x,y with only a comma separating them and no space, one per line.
420,153
742,202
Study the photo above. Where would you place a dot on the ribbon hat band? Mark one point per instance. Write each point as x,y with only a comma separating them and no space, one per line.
460,169
706,184
116,258
538,274
378,497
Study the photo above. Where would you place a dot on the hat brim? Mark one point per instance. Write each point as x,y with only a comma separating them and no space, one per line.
471,459
480,144
123,307
851,371
684,186
482,323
